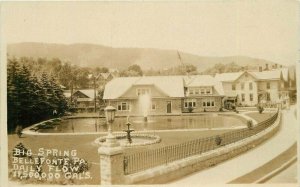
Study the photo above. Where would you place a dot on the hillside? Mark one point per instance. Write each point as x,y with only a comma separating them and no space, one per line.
98,56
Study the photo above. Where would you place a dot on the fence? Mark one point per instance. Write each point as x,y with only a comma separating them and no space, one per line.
140,161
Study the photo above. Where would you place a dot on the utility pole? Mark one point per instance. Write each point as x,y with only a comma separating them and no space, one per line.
95,99
95,78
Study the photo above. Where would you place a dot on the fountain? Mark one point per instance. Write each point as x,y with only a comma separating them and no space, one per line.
145,102
130,140
135,139
128,131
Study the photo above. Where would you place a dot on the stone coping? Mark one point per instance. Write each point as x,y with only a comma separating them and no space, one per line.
31,132
151,139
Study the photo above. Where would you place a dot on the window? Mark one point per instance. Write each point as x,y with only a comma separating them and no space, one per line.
153,106
208,91
250,86
190,103
208,103
197,91
202,91
142,91
251,97
243,97
242,85
268,85
233,87
191,91
124,106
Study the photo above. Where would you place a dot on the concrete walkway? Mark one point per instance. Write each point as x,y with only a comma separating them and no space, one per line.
232,169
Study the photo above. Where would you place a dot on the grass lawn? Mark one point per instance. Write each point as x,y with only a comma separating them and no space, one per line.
87,149
260,117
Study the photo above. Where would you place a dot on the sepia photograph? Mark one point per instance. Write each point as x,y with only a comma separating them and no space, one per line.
184,93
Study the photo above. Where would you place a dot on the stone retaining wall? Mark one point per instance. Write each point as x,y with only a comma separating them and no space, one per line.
180,168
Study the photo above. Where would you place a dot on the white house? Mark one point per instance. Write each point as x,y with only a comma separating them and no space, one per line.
250,88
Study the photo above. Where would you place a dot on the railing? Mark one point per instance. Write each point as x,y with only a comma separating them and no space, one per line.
147,159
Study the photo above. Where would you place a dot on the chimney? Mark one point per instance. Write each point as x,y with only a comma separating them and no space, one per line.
260,69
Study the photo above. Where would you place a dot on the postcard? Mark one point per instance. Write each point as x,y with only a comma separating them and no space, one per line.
177,93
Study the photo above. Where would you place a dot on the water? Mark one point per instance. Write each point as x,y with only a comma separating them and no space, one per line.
154,123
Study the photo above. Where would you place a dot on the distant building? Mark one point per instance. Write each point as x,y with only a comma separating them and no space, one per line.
102,79
82,100
250,88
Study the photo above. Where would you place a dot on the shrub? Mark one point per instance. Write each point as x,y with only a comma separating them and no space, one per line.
20,150
260,109
190,109
233,107
250,124
19,130
221,109
218,140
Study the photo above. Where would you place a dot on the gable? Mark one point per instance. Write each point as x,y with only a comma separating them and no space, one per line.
228,77
79,94
167,86
245,77
154,91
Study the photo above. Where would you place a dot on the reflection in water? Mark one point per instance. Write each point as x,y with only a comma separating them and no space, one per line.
154,123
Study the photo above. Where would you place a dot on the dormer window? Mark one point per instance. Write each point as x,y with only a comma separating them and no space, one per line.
142,91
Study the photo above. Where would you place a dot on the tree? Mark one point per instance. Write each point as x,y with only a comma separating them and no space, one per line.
13,103
59,100
30,100
135,69
98,70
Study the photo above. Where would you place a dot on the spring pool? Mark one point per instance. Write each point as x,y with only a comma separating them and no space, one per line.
76,125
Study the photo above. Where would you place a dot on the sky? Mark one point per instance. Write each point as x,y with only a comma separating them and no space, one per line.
255,28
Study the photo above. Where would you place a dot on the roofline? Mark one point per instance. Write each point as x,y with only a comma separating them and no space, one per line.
82,93
136,98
